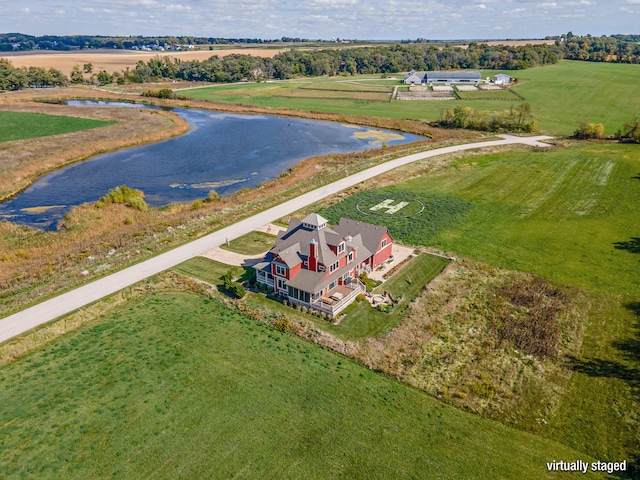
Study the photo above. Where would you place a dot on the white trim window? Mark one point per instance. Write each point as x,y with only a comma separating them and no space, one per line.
334,266
281,270
384,243
341,247
350,257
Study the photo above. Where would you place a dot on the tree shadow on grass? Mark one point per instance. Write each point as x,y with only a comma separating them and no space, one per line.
627,370
631,246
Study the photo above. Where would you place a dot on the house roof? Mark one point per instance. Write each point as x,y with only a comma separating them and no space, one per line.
371,235
294,243
454,75
315,221
314,282
292,247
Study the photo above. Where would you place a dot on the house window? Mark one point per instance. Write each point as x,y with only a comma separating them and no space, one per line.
320,267
384,242
332,286
334,267
281,284
341,247
281,270
350,257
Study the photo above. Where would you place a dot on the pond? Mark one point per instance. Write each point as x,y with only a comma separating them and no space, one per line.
222,152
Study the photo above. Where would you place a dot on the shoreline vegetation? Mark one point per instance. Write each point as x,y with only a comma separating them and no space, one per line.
92,242
21,167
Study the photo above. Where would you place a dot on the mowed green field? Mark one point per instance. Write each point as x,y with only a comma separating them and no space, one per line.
175,385
560,96
21,125
571,216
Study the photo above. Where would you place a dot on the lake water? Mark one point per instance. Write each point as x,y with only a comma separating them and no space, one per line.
221,152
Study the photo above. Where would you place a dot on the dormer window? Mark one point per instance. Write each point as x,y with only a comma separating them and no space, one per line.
350,257
341,247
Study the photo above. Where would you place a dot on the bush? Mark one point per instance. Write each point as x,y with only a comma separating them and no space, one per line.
588,130
128,196
284,325
234,289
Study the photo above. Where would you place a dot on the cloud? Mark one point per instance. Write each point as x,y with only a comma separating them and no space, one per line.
547,5
633,2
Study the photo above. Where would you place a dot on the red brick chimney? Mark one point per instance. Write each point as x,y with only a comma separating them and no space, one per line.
313,255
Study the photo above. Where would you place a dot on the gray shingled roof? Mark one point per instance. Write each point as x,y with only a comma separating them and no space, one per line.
371,234
312,282
453,75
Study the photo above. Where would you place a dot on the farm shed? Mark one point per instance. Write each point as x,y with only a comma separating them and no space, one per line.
452,77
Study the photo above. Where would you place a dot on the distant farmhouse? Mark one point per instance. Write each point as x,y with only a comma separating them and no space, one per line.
316,266
501,79
414,78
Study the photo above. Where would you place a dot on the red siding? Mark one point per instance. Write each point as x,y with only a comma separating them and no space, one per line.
383,254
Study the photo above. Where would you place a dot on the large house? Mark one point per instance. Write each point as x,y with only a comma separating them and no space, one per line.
317,266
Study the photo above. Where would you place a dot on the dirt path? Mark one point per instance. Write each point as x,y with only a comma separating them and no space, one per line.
49,310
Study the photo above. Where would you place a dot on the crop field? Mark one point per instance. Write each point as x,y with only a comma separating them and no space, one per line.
177,385
560,96
570,216
21,125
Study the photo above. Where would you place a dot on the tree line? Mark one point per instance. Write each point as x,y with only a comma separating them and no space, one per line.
20,42
613,49
347,61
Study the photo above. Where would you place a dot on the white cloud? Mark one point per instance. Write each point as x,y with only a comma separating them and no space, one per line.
633,2
177,8
547,5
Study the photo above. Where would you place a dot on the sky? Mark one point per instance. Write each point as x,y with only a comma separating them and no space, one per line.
323,19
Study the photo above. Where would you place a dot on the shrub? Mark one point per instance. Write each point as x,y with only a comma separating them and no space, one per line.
285,325
234,289
128,196
588,130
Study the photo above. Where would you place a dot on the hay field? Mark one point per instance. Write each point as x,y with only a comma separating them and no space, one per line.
119,60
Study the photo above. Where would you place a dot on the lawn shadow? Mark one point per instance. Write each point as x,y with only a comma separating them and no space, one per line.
632,246
627,370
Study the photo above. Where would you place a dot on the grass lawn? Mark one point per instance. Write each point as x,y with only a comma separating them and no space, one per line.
211,271
253,243
560,96
570,216
362,321
175,385
21,125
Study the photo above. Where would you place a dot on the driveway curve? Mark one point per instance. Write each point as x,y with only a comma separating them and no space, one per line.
53,308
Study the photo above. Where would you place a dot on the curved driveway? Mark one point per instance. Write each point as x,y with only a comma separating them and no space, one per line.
46,311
